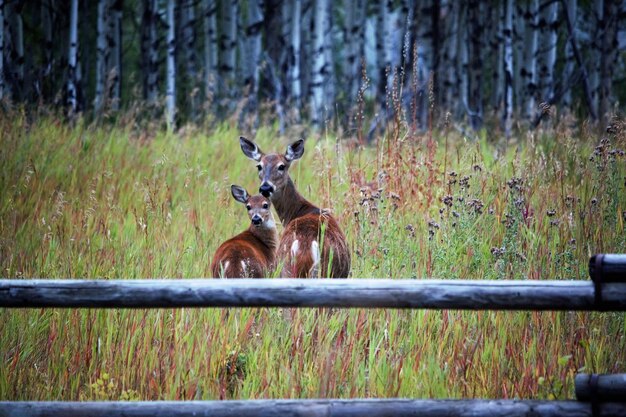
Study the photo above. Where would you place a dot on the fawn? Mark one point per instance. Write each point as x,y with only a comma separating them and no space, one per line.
250,254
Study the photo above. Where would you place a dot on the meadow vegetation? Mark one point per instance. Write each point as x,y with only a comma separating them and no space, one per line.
116,201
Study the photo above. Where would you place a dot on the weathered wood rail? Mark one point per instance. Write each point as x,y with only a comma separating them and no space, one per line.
598,395
369,293
313,408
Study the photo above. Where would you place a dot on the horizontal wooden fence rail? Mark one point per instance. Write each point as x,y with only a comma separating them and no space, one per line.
314,408
594,387
373,293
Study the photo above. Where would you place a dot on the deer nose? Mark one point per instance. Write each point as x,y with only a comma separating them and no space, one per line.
256,220
266,189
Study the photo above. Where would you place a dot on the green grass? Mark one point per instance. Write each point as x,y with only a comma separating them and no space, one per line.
118,202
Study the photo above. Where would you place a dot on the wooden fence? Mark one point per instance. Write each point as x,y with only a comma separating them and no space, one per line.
598,395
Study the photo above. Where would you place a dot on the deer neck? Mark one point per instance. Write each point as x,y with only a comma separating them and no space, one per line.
268,235
289,204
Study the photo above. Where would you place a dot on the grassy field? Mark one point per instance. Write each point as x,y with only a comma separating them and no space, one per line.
121,202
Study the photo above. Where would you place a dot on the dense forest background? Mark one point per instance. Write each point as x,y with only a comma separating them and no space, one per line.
321,61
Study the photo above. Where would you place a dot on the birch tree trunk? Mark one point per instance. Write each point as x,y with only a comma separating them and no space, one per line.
570,60
101,55
508,67
72,59
253,46
228,42
529,70
170,92
210,48
115,53
319,62
294,59
1,49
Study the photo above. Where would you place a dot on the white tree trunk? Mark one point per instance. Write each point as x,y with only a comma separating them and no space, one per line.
1,49
170,93
529,71
210,48
570,60
72,59
253,45
296,92
228,42
319,62
508,67
101,58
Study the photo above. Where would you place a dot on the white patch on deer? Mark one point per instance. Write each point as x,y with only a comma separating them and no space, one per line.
295,246
226,266
269,224
244,268
315,253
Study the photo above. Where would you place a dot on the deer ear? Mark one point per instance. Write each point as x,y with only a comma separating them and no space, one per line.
295,150
239,193
250,149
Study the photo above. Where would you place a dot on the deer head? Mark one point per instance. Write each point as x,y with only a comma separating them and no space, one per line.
273,168
258,207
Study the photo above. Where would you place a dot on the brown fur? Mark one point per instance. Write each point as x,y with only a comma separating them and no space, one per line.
256,247
247,247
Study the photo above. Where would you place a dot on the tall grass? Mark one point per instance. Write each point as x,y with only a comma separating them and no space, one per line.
116,202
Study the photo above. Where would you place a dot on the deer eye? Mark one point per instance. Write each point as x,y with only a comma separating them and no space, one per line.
259,167
249,207
265,205
281,167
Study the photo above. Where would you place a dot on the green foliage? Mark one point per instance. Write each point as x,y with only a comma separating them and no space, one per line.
115,202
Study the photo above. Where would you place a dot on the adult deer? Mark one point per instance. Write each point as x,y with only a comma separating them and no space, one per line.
312,242
250,254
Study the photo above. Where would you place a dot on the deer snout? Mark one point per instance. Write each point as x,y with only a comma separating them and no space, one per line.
266,189
257,220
